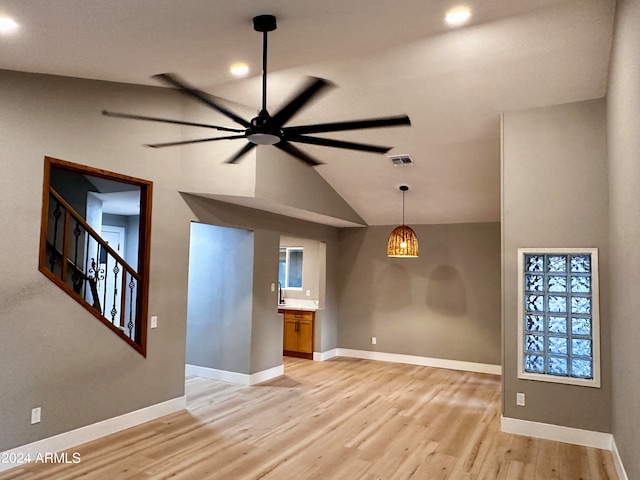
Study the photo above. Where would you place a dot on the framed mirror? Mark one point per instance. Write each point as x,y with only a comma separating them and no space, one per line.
95,241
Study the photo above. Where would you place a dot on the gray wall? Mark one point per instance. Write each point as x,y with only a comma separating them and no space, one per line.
53,353
300,187
444,304
220,298
115,220
326,332
94,219
555,195
624,227
133,240
73,187
266,326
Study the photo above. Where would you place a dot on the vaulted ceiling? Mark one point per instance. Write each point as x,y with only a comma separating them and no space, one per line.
385,57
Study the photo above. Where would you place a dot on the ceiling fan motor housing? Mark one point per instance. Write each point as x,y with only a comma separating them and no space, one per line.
264,23
262,131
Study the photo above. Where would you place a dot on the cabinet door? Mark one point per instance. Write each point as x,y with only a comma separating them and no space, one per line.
290,335
305,336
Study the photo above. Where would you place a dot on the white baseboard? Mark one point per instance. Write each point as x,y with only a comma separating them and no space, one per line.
234,377
67,440
424,361
557,433
322,356
617,461
265,375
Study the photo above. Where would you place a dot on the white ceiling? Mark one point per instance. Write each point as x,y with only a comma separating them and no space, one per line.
386,57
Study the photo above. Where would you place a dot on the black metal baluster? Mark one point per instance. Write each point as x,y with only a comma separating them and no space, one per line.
97,277
75,278
86,268
130,324
100,276
53,259
114,311
95,266
106,279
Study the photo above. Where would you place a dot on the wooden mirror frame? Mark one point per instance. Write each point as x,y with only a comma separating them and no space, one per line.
139,342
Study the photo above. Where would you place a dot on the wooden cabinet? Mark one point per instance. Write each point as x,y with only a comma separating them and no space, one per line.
298,333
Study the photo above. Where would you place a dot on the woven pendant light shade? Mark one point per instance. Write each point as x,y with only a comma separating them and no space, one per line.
403,241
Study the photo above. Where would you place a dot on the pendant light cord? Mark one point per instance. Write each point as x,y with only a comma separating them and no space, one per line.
403,208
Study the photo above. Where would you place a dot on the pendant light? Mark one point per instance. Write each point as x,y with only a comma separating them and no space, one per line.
403,241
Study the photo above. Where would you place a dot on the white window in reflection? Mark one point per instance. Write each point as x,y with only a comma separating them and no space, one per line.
290,268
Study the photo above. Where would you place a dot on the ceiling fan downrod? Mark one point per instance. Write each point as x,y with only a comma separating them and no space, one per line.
261,131
264,24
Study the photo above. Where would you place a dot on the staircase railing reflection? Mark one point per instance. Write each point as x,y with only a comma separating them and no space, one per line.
78,259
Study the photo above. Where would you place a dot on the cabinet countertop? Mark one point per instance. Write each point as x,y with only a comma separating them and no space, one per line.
296,307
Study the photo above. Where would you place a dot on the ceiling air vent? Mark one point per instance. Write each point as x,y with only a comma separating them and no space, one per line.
401,160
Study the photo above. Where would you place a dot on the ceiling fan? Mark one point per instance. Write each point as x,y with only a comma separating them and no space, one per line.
267,129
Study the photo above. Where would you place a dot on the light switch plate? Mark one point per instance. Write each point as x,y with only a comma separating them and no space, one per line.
154,322
35,415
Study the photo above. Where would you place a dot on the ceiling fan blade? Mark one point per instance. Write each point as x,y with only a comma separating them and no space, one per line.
173,80
352,125
328,142
198,140
241,153
296,152
166,120
312,87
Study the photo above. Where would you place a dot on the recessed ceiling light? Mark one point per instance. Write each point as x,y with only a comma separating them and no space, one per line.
7,25
458,16
239,69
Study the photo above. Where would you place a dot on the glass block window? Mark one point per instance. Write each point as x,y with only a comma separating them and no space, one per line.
558,316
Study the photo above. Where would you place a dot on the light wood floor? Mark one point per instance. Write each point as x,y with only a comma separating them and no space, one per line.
343,419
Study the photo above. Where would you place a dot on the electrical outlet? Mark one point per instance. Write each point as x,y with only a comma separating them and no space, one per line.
154,322
374,340
35,415
308,293
520,399
273,287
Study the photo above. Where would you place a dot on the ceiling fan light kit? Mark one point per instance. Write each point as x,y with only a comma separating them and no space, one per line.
403,241
267,129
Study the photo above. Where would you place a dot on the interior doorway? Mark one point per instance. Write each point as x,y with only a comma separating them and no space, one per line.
302,288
